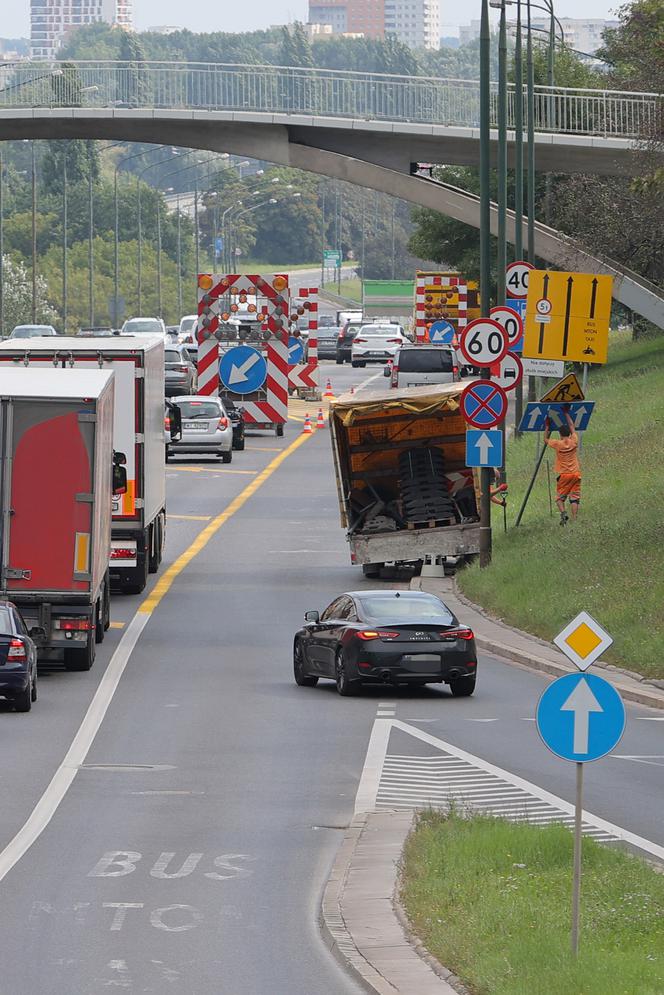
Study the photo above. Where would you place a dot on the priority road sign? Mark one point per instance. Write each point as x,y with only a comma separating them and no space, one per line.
537,412
580,717
483,404
243,370
295,351
484,448
483,342
442,333
583,641
567,316
508,373
517,277
511,321
567,389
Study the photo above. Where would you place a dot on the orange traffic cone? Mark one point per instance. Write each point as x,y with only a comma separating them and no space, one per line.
320,421
328,390
307,429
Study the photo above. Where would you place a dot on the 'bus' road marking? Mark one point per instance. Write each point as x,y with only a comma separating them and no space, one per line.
61,781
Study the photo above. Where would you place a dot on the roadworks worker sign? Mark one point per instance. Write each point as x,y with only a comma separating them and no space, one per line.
567,316
567,389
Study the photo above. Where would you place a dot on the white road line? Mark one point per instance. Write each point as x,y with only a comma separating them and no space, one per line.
367,791
650,718
368,381
403,781
61,781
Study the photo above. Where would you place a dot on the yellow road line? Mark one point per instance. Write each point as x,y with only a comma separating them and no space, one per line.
192,518
118,625
264,449
164,584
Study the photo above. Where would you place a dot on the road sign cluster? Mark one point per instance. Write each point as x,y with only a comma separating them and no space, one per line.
487,343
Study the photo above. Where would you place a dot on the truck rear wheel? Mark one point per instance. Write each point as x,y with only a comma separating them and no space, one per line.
100,631
81,658
156,543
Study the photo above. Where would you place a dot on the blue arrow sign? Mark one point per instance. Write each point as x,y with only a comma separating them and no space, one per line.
484,447
580,717
537,411
295,351
441,333
242,369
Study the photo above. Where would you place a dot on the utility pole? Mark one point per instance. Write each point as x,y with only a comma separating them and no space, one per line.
502,156
159,255
91,252
485,250
531,163
64,239
179,255
2,251
34,233
518,182
196,234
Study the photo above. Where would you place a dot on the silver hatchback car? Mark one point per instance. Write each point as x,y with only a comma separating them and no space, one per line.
206,428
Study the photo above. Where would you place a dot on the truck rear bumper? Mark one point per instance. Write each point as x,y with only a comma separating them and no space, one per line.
408,545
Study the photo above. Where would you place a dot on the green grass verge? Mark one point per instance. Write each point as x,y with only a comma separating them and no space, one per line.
352,289
611,562
491,900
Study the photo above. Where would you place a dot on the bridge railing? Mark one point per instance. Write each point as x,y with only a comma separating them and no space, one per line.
319,92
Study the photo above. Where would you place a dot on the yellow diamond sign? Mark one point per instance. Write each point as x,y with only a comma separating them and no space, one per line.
583,640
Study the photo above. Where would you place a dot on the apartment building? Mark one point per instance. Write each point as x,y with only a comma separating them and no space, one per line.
52,20
414,22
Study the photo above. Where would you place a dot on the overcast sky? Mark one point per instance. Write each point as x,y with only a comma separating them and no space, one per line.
201,15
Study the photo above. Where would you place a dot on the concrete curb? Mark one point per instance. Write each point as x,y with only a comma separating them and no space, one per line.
632,687
359,917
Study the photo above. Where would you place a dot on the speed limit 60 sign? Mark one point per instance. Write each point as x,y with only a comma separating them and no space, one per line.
511,322
516,279
484,342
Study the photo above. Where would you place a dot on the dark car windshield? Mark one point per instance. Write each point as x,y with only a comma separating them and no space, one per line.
390,610
200,409
419,360
172,356
329,332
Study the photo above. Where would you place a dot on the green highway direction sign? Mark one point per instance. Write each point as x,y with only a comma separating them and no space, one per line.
332,257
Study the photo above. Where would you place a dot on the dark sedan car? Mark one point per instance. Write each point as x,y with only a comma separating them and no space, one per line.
345,341
393,637
236,416
327,342
18,658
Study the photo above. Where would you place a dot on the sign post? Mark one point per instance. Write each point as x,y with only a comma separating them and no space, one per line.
580,718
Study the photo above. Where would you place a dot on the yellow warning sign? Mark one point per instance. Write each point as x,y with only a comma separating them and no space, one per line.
567,316
567,389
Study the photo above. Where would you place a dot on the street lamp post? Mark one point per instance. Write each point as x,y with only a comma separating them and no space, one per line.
34,232
64,240
485,249
2,250
91,253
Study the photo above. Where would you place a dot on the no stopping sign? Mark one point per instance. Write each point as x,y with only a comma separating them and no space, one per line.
484,342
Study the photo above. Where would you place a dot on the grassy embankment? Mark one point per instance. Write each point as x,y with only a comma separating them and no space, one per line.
491,900
611,562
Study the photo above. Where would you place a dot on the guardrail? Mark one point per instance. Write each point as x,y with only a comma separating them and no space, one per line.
317,92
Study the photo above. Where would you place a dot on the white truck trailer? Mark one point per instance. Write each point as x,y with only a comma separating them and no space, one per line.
139,515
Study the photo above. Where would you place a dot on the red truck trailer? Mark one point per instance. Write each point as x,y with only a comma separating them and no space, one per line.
139,515
57,476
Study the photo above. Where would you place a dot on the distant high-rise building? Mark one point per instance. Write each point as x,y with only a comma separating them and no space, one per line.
52,20
414,22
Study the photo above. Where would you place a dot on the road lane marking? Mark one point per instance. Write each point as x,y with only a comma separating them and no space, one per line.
264,449
208,469
191,518
118,625
409,781
61,781
164,584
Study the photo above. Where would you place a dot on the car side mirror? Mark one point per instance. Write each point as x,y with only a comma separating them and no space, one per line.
311,617
175,416
37,632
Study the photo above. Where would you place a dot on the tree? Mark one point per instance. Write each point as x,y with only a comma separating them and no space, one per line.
82,158
134,86
17,296
635,49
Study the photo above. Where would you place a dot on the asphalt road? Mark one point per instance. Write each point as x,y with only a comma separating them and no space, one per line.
189,853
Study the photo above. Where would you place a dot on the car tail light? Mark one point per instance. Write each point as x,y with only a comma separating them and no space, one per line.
167,423
223,422
72,624
455,371
458,634
182,368
360,341
367,634
394,341
395,375
122,553
16,651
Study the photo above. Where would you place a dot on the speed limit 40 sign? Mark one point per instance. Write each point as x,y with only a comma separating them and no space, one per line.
516,279
484,342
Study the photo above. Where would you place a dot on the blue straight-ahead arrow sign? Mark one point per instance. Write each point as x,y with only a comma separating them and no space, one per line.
537,412
484,447
580,717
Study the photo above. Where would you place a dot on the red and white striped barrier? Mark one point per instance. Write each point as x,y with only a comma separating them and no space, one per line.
457,283
269,405
305,376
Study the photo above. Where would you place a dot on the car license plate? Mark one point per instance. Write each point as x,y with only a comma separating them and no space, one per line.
194,426
421,663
